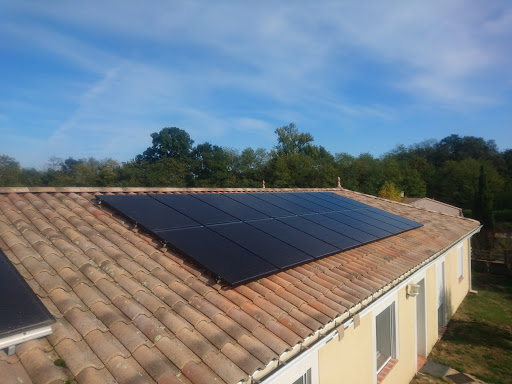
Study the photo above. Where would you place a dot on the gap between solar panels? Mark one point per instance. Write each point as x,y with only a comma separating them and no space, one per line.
240,237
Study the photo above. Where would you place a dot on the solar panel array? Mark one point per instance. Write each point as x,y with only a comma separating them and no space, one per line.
240,237
21,310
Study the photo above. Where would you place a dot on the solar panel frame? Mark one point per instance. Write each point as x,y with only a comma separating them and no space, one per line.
22,311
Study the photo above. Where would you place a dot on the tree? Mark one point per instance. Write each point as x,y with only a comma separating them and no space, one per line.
290,140
169,142
10,171
390,192
212,166
482,210
252,167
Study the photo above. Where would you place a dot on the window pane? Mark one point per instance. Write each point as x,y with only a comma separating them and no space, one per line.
385,339
304,379
460,257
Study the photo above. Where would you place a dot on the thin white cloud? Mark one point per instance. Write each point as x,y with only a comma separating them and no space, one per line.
145,67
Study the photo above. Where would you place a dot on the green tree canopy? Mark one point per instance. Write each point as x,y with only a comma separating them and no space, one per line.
390,191
169,142
290,140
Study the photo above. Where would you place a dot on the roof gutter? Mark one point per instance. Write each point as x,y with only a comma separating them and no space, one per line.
301,350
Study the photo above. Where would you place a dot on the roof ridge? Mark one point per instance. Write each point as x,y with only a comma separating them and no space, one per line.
6,190
412,206
440,202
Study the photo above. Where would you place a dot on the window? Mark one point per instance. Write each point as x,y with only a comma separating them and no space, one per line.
305,378
460,262
385,334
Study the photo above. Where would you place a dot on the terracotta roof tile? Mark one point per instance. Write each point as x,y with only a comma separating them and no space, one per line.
283,333
41,369
195,341
172,321
214,334
110,289
62,330
176,351
129,335
169,297
92,375
204,306
50,282
155,363
65,301
105,346
127,370
221,365
257,348
134,311
77,356
13,373
201,374
84,322
238,326
150,327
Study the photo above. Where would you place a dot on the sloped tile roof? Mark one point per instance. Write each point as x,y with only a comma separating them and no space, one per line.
130,311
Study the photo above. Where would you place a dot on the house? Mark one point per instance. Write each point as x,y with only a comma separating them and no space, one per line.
130,310
434,205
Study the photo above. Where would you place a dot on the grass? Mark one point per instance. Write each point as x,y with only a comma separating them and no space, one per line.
478,339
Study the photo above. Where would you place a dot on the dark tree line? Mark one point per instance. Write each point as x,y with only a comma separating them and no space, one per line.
448,170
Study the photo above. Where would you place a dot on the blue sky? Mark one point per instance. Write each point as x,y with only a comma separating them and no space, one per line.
96,78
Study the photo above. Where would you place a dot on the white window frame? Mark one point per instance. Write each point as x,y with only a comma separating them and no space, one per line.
306,377
392,300
296,369
460,261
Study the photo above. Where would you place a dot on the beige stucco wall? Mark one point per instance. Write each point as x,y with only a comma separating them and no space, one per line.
405,369
430,287
456,290
351,359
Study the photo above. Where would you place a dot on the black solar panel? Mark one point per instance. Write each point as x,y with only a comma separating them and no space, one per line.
221,256
240,237
231,206
299,239
325,234
259,205
410,223
278,201
297,199
149,212
269,248
21,310
196,209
